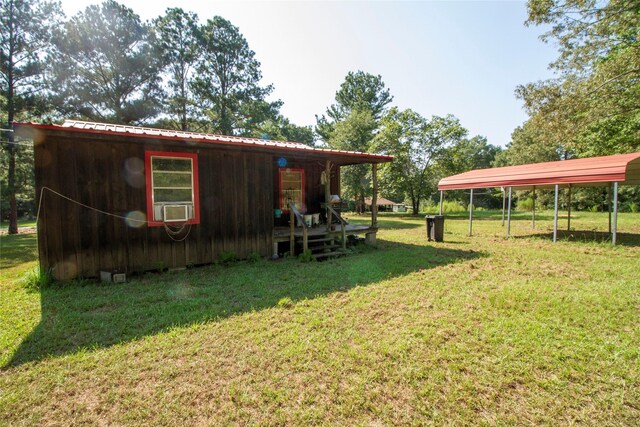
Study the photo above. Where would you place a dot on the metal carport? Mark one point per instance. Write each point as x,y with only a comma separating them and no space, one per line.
611,171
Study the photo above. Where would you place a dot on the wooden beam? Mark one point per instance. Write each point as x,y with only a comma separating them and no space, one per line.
374,196
327,192
292,230
441,200
555,215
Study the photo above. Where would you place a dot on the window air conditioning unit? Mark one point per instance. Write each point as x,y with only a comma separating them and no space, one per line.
175,213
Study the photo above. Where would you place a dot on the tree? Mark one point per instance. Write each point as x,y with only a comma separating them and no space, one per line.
526,147
354,133
25,31
176,38
360,91
416,144
592,107
280,128
106,68
468,154
227,86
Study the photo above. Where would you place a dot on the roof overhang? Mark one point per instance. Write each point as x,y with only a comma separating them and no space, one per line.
593,171
72,128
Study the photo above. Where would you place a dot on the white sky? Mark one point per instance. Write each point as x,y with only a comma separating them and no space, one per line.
463,58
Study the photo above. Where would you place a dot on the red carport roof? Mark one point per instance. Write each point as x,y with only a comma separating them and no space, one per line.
621,168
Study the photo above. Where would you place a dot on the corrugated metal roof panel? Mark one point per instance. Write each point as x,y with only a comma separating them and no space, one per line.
622,168
176,135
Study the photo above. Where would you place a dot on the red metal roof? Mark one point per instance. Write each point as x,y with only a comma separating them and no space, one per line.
621,168
381,201
176,135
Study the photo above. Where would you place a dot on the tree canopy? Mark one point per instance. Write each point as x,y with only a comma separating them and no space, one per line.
25,34
416,144
360,91
227,85
176,37
106,68
592,107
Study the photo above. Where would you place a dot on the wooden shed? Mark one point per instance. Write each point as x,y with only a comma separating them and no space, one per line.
132,199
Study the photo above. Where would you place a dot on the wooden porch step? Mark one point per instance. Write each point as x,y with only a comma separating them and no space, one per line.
328,239
324,248
327,255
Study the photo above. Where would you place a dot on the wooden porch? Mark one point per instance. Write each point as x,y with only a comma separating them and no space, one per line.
329,239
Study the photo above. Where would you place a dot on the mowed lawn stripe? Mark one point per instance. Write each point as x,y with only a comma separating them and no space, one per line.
475,330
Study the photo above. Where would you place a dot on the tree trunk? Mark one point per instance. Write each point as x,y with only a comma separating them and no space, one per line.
13,208
11,178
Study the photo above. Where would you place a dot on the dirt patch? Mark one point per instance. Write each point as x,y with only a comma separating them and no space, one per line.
21,230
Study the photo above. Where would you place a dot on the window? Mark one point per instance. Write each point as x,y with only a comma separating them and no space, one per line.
172,188
292,189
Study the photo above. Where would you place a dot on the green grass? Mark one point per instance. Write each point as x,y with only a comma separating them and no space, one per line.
4,225
475,330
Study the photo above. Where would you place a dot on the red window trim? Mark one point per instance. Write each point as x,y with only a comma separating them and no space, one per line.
149,190
280,170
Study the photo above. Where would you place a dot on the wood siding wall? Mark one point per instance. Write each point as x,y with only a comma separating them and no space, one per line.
236,207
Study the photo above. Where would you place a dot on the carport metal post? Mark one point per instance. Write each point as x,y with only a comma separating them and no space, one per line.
533,209
504,201
509,215
441,200
569,209
609,191
555,216
615,214
471,213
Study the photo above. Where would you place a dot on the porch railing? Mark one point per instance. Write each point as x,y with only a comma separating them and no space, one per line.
343,224
305,230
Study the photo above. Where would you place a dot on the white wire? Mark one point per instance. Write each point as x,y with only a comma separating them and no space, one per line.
83,205
171,233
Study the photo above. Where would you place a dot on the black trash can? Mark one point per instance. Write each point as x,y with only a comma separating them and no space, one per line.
435,227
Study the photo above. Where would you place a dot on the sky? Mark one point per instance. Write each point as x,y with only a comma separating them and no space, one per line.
449,57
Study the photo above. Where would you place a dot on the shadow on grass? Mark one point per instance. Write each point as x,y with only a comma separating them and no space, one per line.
587,236
79,315
17,249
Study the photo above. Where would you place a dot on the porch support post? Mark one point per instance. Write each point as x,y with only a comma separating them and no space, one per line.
441,201
614,231
327,192
555,215
471,213
609,191
509,215
533,209
569,209
504,203
292,230
374,195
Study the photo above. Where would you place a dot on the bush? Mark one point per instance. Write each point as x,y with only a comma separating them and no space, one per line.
227,257
37,279
306,256
525,204
254,257
452,206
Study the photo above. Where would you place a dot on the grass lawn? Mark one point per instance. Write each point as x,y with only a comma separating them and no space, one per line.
4,225
475,330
